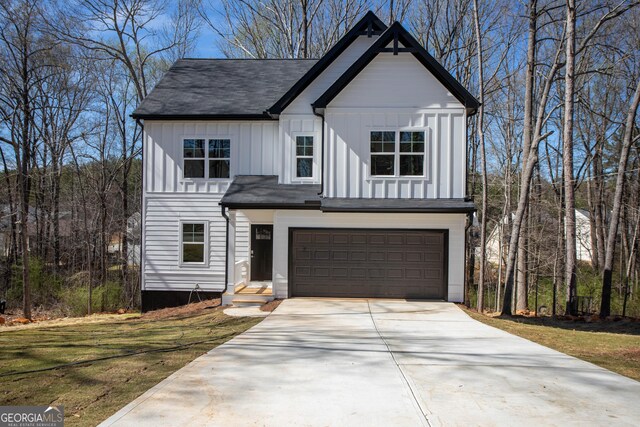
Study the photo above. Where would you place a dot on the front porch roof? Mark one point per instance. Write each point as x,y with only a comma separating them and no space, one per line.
264,192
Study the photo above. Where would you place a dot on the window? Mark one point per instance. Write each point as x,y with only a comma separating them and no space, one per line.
304,156
219,155
193,243
402,151
210,161
383,148
411,153
193,153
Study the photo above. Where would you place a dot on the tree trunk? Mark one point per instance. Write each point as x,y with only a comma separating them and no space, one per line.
567,163
605,304
24,175
525,182
527,134
483,159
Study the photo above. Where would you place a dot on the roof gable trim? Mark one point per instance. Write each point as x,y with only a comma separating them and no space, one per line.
402,42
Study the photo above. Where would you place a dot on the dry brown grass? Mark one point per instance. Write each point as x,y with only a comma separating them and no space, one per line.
97,366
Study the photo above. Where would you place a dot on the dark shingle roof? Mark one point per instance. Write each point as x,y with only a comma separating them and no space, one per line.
219,88
263,191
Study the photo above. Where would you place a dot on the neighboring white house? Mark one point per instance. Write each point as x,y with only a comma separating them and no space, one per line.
133,237
583,238
343,176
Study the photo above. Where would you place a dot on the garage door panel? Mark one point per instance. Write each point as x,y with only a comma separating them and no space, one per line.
395,256
368,263
376,256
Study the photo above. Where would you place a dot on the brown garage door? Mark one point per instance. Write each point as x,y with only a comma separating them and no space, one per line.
365,263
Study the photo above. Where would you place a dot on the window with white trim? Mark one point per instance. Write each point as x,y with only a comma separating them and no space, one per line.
304,156
219,156
193,242
206,157
399,153
194,158
411,153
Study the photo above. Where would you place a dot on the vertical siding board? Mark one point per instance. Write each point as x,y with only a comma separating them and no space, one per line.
450,142
459,152
256,148
444,155
436,157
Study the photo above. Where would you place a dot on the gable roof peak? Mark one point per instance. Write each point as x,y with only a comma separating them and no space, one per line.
403,42
369,25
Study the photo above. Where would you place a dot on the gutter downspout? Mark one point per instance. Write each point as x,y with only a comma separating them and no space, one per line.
226,251
321,153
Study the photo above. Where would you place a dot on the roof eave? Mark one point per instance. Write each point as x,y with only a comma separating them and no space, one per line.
400,210
296,206
262,116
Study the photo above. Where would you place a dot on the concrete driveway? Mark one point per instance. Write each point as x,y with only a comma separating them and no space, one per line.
316,362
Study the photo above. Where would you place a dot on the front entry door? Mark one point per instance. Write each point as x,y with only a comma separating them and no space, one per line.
261,252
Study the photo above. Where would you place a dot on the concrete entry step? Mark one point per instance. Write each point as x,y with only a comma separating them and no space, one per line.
243,300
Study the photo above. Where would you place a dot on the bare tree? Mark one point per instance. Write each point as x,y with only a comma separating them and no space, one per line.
124,31
627,140
483,159
282,29
567,156
22,57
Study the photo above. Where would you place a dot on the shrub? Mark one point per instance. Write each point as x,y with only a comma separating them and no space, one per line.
107,297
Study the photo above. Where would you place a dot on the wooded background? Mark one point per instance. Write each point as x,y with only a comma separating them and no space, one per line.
558,130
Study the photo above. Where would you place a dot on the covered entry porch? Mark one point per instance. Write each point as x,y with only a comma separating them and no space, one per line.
360,248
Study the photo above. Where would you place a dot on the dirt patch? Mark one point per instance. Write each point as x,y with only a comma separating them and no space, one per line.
14,320
183,310
271,305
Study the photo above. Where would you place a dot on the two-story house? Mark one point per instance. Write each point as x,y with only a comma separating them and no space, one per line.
338,177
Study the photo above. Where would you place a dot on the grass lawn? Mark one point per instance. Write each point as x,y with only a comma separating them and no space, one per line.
612,345
140,351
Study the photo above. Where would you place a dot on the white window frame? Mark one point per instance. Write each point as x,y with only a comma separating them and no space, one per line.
184,159
206,157
397,153
314,166
205,262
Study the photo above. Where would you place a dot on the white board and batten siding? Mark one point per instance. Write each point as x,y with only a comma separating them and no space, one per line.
298,118
395,93
170,199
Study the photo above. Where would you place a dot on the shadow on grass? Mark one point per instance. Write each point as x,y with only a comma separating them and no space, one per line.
625,326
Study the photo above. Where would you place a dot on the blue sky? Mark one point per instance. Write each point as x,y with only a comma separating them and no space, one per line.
207,46
207,43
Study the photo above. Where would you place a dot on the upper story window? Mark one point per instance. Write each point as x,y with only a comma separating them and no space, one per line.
304,156
397,153
219,156
412,153
210,160
193,154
